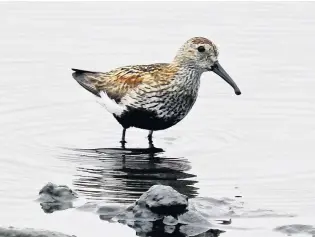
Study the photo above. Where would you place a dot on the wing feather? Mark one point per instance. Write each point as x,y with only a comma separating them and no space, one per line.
118,82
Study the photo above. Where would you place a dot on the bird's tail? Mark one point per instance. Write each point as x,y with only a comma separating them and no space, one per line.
84,79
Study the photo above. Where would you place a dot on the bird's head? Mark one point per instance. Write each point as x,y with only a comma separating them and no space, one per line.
202,54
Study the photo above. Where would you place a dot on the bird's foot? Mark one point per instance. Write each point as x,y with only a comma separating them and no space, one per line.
152,149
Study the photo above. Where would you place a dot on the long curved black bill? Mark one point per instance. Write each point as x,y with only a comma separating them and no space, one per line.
217,69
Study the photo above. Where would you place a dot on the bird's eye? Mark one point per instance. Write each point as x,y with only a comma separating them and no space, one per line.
201,49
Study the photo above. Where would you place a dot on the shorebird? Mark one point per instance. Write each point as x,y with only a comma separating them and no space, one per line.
155,96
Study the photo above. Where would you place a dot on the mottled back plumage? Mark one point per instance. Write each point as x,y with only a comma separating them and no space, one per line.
122,80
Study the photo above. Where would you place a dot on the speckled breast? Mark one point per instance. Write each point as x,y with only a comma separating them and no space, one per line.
162,116
162,107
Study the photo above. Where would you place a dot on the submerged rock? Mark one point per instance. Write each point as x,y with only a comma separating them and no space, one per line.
196,231
296,229
50,207
192,217
60,193
159,229
29,232
160,211
108,211
54,197
170,220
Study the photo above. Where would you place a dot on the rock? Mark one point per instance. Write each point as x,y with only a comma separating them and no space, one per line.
60,193
110,209
50,207
29,232
164,200
56,198
215,208
296,229
107,212
169,229
170,220
138,212
197,231
158,229
159,201
141,227
192,217
162,211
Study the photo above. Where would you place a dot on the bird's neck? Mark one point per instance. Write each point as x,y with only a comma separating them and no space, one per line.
188,76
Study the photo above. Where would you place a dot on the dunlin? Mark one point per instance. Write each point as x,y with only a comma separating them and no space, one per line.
155,96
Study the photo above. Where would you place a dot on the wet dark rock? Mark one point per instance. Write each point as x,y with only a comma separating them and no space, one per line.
61,193
197,231
54,197
296,229
29,232
155,204
50,207
162,211
215,208
107,212
110,209
170,220
139,212
192,217
164,200
158,229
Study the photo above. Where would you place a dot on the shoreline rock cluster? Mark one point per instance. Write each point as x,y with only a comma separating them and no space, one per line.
164,210
159,210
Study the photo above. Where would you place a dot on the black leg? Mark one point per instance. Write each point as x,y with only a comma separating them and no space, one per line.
150,139
123,140
152,148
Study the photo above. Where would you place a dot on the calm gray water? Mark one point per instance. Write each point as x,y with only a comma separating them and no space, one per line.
259,145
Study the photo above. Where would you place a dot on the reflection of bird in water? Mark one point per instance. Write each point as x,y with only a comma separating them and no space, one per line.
122,175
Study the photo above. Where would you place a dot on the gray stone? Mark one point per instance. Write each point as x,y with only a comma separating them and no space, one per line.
170,220
50,207
138,212
160,210
164,200
108,211
192,217
296,229
169,229
29,232
54,197
159,201
197,231
60,193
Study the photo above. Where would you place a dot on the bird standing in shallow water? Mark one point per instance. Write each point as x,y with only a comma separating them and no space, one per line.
156,96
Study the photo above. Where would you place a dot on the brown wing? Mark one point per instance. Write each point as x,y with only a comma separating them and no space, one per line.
118,82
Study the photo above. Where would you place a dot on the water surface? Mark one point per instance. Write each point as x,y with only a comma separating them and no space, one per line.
258,145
